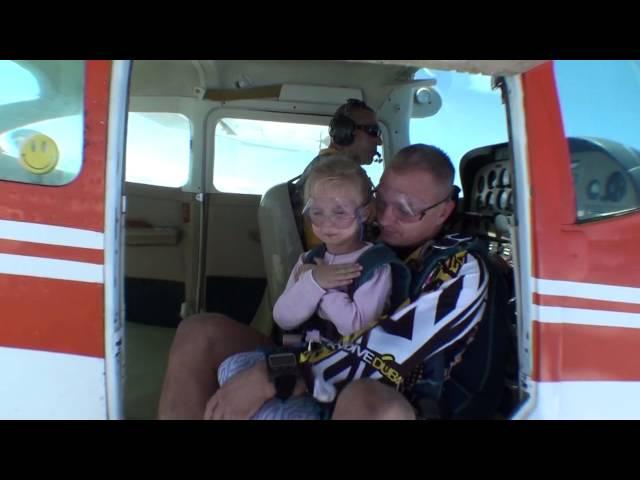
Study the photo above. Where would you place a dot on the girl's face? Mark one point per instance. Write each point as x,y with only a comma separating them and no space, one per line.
335,208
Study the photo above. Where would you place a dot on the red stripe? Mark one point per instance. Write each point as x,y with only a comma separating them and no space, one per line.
574,302
57,252
52,315
568,352
552,200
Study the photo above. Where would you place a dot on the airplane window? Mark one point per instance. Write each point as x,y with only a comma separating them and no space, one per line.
251,156
41,120
158,148
17,84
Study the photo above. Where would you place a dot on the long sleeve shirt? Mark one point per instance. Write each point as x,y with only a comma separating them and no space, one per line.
304,297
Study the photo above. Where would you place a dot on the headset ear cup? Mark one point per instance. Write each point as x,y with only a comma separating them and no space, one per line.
342,130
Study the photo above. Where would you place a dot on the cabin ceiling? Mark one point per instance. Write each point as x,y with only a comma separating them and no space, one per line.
373,77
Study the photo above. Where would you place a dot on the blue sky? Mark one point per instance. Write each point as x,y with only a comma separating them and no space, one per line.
600,102
472,115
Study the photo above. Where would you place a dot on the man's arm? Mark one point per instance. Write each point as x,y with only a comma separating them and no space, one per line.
447,310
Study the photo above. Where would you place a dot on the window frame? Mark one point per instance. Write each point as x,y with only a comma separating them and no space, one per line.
261,115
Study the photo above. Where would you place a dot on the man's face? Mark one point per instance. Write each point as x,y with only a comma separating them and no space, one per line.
364,144
402,207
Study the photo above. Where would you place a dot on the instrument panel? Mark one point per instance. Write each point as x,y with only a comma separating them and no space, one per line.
493,189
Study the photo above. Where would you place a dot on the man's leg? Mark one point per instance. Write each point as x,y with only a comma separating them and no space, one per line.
201,343
371,400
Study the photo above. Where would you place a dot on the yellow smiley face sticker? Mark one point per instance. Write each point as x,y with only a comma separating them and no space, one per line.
39,154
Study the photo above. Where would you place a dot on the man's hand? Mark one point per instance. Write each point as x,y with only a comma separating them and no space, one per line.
242,395
334,276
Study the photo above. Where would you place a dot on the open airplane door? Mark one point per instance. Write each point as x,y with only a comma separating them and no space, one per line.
578,178
62,126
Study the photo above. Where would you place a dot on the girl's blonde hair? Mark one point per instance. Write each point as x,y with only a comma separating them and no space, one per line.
339,167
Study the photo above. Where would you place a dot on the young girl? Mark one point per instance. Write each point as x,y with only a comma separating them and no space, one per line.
317,299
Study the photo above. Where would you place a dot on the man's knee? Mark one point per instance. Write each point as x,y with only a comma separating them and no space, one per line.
215,333
201,343
195,334
371,400
203,327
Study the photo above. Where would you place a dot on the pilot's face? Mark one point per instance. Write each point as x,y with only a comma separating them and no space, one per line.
365,141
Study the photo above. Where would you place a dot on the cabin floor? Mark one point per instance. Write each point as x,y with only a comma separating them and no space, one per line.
147,352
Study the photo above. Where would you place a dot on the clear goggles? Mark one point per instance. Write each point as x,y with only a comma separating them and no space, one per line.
405,208
338,212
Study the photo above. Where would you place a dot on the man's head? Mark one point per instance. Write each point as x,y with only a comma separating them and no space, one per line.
415,196
354,131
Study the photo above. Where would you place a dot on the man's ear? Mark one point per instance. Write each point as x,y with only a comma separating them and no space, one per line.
447,210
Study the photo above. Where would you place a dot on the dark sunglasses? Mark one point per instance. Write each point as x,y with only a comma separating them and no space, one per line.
371,130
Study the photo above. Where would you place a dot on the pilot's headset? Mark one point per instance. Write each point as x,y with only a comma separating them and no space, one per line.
342,128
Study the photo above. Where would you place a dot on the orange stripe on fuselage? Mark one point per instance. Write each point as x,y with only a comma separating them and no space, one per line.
570,352
53,315
575,302
58,252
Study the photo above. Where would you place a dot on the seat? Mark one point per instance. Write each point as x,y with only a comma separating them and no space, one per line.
281,248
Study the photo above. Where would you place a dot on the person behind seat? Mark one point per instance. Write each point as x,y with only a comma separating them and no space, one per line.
413,202
355,135
317,299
